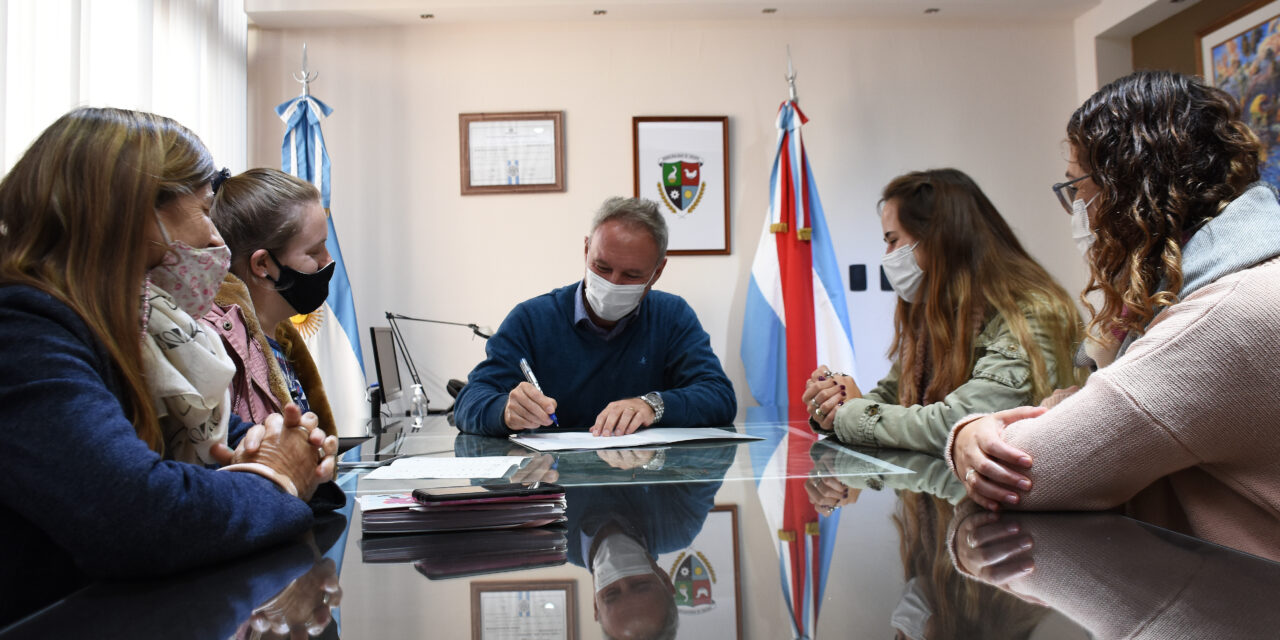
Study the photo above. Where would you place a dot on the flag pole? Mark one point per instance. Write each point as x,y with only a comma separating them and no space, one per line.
791,75
305,79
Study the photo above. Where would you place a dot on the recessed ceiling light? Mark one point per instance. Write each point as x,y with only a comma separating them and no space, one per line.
932,10
599,12
769,10
426,16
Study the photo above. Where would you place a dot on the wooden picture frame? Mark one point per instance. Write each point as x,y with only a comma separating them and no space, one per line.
512,152
1232,54
682,162
511,609
714,550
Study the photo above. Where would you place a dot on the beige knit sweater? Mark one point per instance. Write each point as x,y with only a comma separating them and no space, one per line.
1184,430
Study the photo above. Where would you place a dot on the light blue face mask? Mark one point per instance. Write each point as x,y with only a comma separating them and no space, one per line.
902,271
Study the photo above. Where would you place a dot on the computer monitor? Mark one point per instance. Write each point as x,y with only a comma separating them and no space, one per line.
384,358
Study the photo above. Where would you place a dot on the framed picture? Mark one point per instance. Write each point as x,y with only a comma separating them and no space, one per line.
512,152
708,593
682,162
1241,55
524,610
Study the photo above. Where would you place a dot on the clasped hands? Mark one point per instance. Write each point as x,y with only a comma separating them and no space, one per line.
824,392
302,607
529,408
825,490
288,449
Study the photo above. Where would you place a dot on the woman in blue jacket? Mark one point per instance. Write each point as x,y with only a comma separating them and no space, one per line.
105,252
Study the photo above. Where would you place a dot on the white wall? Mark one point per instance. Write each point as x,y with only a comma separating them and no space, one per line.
883,98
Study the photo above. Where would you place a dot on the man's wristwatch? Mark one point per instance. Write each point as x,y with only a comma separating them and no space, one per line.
654,400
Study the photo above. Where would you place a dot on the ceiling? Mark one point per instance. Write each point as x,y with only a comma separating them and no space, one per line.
292,14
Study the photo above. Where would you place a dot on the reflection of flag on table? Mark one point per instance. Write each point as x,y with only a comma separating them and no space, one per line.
805,539
332,335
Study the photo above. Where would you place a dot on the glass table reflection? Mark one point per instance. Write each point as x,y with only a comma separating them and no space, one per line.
785,537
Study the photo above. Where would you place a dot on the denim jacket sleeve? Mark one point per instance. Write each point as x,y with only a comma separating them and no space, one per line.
1001,379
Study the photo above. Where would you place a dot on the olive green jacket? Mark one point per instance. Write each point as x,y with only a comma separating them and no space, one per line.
1001,379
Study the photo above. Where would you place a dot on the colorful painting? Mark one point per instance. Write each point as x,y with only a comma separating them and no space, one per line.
1242,57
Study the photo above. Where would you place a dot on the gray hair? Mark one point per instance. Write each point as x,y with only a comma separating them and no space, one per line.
634,212
670,624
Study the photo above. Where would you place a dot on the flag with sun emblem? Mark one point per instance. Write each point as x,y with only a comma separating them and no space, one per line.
331,332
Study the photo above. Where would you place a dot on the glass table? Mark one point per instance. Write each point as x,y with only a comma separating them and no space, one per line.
788,536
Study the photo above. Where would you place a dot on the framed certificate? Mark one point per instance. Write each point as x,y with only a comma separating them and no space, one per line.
511,152
524,610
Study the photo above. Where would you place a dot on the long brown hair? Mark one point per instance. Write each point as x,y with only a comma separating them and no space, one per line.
1166,151
973,267
74,213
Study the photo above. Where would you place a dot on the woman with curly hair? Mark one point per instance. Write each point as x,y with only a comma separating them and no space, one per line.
1180,429
980,325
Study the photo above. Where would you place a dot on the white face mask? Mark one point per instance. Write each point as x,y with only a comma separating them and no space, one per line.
912,614
619,556
611,301
1080,231
903,273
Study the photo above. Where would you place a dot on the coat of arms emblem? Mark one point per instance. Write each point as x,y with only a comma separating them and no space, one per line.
681,186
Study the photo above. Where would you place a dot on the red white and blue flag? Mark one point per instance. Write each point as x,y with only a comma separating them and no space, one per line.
796,316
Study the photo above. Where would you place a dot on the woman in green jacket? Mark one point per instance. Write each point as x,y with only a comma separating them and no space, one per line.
980,325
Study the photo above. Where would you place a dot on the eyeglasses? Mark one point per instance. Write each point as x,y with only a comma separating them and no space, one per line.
1066,191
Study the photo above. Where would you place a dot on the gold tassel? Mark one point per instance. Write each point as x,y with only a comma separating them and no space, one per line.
811,528
804,234
778,227
786,536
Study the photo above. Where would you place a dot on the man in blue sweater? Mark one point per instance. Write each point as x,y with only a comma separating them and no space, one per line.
611,354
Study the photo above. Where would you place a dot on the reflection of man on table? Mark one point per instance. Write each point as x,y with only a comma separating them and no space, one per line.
609,353
617,533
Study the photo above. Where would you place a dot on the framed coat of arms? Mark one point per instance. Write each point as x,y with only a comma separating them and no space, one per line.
682,163
705,578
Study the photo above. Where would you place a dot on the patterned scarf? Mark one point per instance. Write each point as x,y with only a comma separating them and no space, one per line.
189,375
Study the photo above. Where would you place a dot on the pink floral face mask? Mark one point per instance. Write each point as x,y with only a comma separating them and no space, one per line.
192,276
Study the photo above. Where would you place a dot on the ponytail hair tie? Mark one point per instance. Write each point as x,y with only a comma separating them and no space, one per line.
219,178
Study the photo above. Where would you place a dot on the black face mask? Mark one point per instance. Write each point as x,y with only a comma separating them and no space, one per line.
305,292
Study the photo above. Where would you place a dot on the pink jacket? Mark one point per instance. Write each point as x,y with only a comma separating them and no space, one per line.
259,387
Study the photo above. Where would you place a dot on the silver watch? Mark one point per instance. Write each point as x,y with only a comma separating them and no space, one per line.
654,400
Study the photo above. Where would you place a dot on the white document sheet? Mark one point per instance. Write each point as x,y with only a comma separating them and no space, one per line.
436,467
580,440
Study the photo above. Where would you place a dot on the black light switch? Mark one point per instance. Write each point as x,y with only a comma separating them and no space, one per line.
857,277
884,282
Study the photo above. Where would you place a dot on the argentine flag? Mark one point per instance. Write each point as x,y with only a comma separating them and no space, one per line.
331,332
796,316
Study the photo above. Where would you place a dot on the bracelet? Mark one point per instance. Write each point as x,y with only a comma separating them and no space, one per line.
263,470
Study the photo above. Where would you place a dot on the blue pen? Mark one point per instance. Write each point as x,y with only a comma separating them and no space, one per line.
533,380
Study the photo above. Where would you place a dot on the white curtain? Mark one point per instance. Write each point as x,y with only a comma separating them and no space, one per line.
184,59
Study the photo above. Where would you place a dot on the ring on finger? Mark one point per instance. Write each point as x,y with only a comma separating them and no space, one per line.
968,475
817,412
